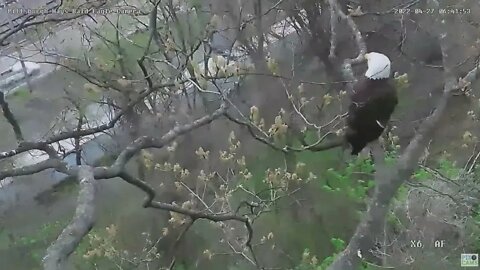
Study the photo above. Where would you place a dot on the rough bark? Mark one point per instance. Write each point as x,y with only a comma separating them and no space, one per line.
82,222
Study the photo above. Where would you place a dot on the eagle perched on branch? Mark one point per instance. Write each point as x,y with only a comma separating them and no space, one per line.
372,103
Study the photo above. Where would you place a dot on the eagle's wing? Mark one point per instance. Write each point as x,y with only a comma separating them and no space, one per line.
360,98
371,106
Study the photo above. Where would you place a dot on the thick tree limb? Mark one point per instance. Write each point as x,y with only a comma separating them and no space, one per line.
23,147
32,169
81,224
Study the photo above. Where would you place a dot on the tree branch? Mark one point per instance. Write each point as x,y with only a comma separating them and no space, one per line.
28,21
362,47
315,147
32,169
251,129
81,224
64,135
333,31
11,118
193,214
149,142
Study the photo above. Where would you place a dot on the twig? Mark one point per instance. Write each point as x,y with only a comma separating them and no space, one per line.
315,147
299,81
177,241
27,22
251,129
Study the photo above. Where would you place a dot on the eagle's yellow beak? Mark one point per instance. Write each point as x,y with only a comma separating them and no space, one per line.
366,56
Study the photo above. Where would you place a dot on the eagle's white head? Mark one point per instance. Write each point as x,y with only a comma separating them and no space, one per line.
378,66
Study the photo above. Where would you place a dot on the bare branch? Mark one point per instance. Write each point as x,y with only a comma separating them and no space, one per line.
337,142
81,224
153,27
11,118
317,146
333,31
78,149
27,22
362,47
177,242
32,169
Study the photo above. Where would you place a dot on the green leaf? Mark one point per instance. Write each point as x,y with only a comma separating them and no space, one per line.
338,244
327,188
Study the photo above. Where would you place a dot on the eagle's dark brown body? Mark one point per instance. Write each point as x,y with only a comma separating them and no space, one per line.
372,101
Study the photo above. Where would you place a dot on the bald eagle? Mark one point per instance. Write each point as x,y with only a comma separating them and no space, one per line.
372,103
